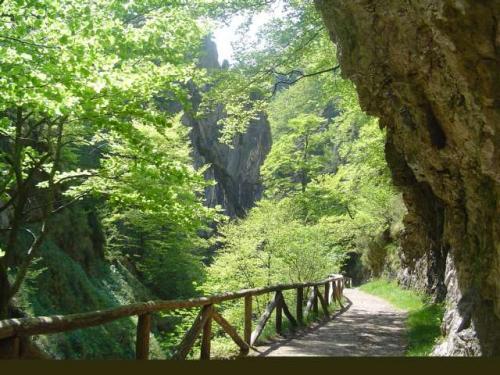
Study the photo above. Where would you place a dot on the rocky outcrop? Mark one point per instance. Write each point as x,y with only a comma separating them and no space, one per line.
236,167
430,71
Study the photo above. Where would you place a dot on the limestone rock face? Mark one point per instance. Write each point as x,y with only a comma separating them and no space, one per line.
430,70
235,168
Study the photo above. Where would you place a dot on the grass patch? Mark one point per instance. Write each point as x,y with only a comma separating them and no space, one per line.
424,318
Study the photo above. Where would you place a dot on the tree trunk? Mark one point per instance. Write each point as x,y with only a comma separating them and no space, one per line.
4,294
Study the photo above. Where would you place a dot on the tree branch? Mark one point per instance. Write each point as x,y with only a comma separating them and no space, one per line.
32,251
11,39
37,243
302,76
75,199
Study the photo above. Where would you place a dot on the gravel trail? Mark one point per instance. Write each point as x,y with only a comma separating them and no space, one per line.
370,327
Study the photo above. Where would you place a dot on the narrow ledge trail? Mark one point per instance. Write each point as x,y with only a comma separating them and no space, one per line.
370,327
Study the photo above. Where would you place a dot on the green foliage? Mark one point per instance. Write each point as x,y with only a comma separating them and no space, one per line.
424,318
349,189
153,211
270,246
65,287
296,156
179,322
424,329
81,80
327,155
327,186
96,62
289,45
172,270
308,96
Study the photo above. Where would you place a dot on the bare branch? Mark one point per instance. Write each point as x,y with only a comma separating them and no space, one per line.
30,232
81,175
32,251
75,199
301,76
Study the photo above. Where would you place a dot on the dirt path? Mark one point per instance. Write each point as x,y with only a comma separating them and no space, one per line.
370,327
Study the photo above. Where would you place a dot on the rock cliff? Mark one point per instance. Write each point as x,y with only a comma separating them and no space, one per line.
430,71
235,167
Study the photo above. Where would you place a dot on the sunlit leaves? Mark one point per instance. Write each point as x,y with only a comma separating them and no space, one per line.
80,82
271,246
297,155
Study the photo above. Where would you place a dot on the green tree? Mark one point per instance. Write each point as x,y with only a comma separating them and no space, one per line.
71,70
272,245
296,156
153,211
338,180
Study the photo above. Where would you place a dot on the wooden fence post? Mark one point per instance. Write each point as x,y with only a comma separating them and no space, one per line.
339,293
207,335
279,311
330,292
248,319
287,312
324,305
263,320
315,300
300,300
142,337
335,291
327,293
10,348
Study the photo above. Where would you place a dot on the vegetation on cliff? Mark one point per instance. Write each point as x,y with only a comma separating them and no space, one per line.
326,173
328,191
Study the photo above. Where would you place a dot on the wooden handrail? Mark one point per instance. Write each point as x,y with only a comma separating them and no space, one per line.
12,329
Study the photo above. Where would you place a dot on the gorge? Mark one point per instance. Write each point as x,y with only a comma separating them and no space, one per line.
347,137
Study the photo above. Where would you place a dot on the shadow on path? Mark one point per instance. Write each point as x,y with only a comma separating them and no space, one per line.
367,326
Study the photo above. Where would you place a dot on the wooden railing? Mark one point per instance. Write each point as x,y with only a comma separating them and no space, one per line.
13,332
